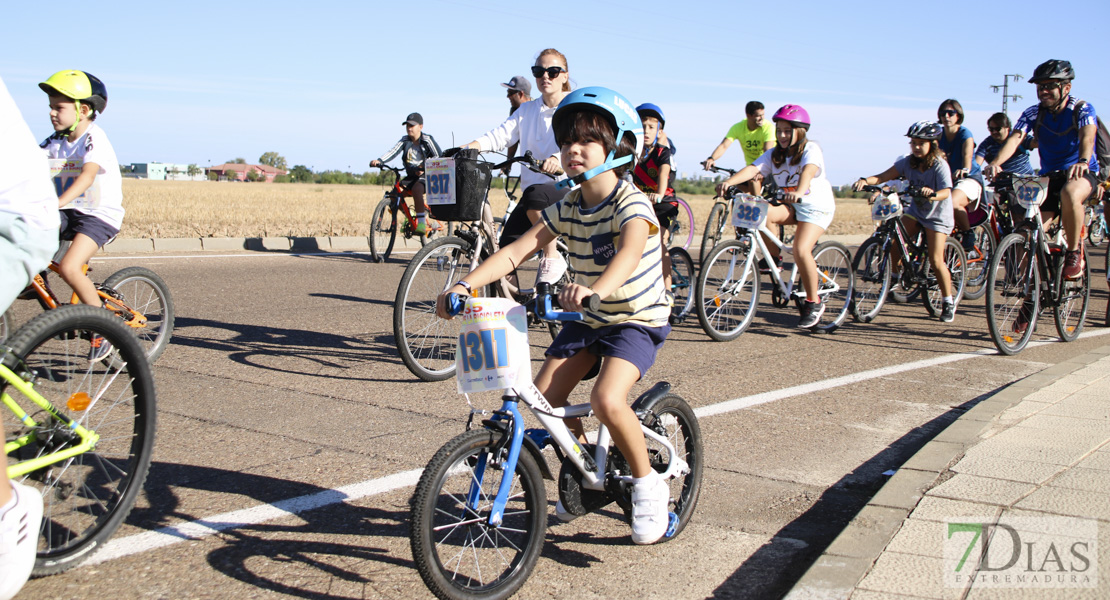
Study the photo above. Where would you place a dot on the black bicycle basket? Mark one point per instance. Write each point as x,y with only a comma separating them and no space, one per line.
472,179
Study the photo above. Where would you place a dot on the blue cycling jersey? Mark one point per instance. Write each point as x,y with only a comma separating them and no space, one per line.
1058,137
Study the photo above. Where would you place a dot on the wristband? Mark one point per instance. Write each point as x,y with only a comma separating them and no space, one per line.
466,286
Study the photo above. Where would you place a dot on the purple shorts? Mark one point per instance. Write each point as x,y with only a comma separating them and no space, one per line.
74,222
635,343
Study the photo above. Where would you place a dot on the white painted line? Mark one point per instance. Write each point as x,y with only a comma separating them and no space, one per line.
202,528
245,254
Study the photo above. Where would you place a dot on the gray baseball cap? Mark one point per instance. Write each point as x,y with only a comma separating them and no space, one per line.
414,119
520,83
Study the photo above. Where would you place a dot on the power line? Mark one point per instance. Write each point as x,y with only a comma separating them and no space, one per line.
1005,87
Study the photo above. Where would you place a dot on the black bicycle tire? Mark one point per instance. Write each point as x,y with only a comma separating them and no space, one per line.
826,325
690,275
57,327
997,320
933,301
379,214
714,230
976,285
754,284
425,509
689,488
858,313
117,282
1059,317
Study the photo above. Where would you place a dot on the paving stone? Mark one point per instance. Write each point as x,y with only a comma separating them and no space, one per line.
1005,468
1077,478
916,536
868,533
898,573
933,508
982,489
1063,501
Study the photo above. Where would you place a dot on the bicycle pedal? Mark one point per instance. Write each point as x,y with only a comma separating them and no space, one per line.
672,524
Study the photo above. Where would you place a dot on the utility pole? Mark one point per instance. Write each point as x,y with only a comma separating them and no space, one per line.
1005,87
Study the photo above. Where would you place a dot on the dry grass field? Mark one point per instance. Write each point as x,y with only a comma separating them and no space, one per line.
168,209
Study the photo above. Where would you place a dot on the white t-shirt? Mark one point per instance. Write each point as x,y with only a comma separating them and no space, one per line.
530,125
94,147
820,195
25,186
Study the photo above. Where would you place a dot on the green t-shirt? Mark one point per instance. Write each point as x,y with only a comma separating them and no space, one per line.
752,141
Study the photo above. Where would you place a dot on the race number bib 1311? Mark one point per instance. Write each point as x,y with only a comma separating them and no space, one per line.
493,349
439,177
65,172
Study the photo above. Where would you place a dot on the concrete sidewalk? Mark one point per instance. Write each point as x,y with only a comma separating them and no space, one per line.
1031,463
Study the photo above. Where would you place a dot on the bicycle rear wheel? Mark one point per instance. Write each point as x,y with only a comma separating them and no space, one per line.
1070,308
727,290
143,291
956,261
714,226
383,230
682,283
872,282
978,267
458,554
1013,294
426,342
836,279
87,496
682,231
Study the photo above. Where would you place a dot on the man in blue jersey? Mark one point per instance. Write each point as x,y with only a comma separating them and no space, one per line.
1065,128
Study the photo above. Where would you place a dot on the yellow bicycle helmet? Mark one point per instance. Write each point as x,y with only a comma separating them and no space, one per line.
78,86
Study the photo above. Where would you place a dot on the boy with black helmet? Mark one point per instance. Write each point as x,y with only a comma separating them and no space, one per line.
1065,129
613,243
76,99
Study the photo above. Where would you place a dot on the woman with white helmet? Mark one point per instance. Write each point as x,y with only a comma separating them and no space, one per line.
798,168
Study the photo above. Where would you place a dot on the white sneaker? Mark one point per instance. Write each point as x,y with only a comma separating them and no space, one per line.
562,514
650,497
552,269
19,538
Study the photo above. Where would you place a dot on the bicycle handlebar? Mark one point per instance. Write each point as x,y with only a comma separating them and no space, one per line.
911,191
773,197
543,307
716,169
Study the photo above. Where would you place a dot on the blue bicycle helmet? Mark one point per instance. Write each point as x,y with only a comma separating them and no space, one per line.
648,109
614,107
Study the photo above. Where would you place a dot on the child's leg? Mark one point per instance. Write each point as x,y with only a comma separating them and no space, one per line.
805,238
71,269
557,378
418,199
936,242
609,400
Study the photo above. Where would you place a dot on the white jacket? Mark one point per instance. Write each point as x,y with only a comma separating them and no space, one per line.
530,125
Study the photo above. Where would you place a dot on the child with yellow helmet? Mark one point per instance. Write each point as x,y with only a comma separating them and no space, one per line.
76,98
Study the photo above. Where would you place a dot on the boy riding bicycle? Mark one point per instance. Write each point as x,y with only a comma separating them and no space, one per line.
76,99
654,176
414,147
28,238
614,245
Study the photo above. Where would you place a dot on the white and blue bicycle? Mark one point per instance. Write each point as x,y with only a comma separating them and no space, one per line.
479,511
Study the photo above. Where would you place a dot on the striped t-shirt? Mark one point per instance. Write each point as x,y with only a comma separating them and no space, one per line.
592,236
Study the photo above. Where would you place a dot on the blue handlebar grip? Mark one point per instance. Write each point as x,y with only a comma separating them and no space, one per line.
455,304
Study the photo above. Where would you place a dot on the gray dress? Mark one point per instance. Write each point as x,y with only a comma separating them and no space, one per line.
934,216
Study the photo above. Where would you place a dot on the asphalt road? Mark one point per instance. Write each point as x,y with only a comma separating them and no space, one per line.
282,384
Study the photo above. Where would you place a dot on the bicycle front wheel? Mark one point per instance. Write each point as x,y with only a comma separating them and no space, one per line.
682,283
956,261
978,262
836,280
87,496
426,342
672,418
457,552
1070,308
682,230
383,230
144,292
872,282
714,227
1013,294
727,290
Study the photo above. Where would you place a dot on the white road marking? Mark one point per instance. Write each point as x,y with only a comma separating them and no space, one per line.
245,254
205,527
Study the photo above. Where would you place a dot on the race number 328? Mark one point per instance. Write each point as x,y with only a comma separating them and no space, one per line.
487,349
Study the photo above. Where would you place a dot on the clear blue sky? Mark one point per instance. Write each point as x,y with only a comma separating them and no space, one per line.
327,84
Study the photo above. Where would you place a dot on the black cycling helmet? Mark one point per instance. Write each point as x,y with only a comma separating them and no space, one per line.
1053,70
925,130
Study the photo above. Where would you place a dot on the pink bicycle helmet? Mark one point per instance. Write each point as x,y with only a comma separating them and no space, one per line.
793,114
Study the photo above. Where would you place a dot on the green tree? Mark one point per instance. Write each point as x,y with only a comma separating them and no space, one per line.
192,170
254,175
273,159
301,173
238,161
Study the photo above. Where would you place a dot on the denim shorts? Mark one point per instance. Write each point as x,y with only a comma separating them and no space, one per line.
74,222
638,344
24,251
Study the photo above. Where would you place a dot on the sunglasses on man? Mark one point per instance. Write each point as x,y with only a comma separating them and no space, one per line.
552,72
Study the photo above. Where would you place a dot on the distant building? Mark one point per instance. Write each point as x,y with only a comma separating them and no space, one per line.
237,171
165,171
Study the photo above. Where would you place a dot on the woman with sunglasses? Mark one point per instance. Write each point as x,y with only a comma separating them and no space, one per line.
958,146
530,126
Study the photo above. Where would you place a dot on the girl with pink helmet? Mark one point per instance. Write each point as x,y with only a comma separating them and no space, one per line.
797,166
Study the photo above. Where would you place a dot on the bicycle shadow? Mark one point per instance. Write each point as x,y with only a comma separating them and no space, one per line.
800,542
345,298
251,345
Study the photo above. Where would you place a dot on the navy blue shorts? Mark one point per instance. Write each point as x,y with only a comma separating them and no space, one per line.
74,222
635,343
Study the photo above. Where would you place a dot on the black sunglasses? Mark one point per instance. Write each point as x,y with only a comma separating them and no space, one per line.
512,93
949,112
1048,85
552,72
994,129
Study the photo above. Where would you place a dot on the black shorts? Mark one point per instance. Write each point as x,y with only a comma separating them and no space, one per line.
74,222
1056,185
535,197
666,211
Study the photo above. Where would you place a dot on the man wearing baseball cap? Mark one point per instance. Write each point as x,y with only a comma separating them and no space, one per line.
520,91
414,147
